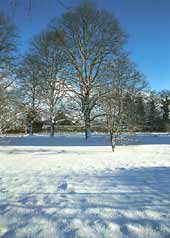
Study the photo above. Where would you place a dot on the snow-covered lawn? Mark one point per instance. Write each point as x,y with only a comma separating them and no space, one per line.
65,187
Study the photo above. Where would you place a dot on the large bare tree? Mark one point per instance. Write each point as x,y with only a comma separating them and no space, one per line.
90,38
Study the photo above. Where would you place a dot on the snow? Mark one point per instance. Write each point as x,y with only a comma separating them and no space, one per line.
67,187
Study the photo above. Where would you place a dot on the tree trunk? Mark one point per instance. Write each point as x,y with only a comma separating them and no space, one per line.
52,129
87,129
112,141
1,131
30,129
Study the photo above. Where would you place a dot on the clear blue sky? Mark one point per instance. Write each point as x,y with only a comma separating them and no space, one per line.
146,21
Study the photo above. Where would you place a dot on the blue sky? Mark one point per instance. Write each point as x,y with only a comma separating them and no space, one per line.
147,23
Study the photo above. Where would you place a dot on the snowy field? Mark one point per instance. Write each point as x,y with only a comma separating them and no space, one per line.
65,187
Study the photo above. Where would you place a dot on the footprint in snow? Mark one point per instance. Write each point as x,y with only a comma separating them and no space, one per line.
63,186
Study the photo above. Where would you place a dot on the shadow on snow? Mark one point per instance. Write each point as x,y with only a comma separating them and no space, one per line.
79,140
124,198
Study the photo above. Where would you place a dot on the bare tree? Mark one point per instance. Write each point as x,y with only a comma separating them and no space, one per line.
90,38
8,39
48,49
30,86
125,78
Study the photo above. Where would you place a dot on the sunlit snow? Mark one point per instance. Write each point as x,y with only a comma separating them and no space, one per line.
66,187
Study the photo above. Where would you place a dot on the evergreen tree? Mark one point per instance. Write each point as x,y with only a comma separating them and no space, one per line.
151,116
153,119
129,109
165,105
140,113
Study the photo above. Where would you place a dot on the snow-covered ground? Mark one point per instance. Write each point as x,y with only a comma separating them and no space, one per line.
65,187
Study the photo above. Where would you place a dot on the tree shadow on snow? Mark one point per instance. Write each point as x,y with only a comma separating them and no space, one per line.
147,139
79,140
122,202
68,140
